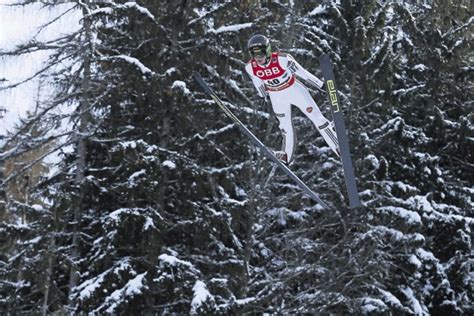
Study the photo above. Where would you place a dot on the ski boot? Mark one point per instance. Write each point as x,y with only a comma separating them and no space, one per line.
328,132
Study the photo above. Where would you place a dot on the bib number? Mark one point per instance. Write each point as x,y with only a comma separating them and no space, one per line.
273,82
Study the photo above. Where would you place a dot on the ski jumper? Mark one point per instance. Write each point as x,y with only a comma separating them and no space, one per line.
278,80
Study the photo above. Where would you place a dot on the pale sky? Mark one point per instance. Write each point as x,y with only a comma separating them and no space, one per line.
19,25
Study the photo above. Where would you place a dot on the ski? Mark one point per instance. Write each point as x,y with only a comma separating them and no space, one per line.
338,118
263,149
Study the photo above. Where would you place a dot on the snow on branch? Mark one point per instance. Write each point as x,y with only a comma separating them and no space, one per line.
133,288
231,28
439,212
173,261
412,218
381,231
180,85
398,124
211,132
220,130
139,8
116,216
413,301
460,28
372,305
408,90
201,295
318,10
390,299
202,13
133,61
127,5
88,287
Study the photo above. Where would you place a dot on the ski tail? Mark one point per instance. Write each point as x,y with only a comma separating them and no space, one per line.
338,118
263,149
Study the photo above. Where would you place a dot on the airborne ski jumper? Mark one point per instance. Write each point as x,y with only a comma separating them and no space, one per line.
274,75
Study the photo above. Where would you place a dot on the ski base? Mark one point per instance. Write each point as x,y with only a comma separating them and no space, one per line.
341,131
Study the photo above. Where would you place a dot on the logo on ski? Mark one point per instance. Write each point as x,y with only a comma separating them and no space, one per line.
333,95
341,132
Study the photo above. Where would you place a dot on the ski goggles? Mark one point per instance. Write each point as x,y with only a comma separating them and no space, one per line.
258,51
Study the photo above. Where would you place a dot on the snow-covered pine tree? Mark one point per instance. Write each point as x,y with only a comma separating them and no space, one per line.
46,252
180,215
27,227
438,67
158,233
408,183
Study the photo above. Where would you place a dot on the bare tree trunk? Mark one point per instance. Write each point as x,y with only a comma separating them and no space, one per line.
81,151
3,194
164,177
245,277
49,272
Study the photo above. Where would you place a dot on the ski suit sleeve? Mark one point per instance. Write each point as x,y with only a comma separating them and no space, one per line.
257,82
299,71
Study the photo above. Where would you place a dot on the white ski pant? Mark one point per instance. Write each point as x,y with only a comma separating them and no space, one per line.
299,96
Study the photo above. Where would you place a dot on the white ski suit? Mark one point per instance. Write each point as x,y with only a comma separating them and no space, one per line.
278,80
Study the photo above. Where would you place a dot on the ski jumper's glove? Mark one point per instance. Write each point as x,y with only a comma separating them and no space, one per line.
263,102
259,101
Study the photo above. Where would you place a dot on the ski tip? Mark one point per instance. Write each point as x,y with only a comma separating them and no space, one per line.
201,82
197,75
354,204
324,58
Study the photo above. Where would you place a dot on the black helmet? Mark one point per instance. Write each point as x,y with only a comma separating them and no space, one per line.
259,45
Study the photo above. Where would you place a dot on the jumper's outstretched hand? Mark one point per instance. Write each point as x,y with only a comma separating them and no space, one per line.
259,102
263,102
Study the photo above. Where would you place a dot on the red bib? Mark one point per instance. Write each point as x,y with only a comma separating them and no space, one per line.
270,71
